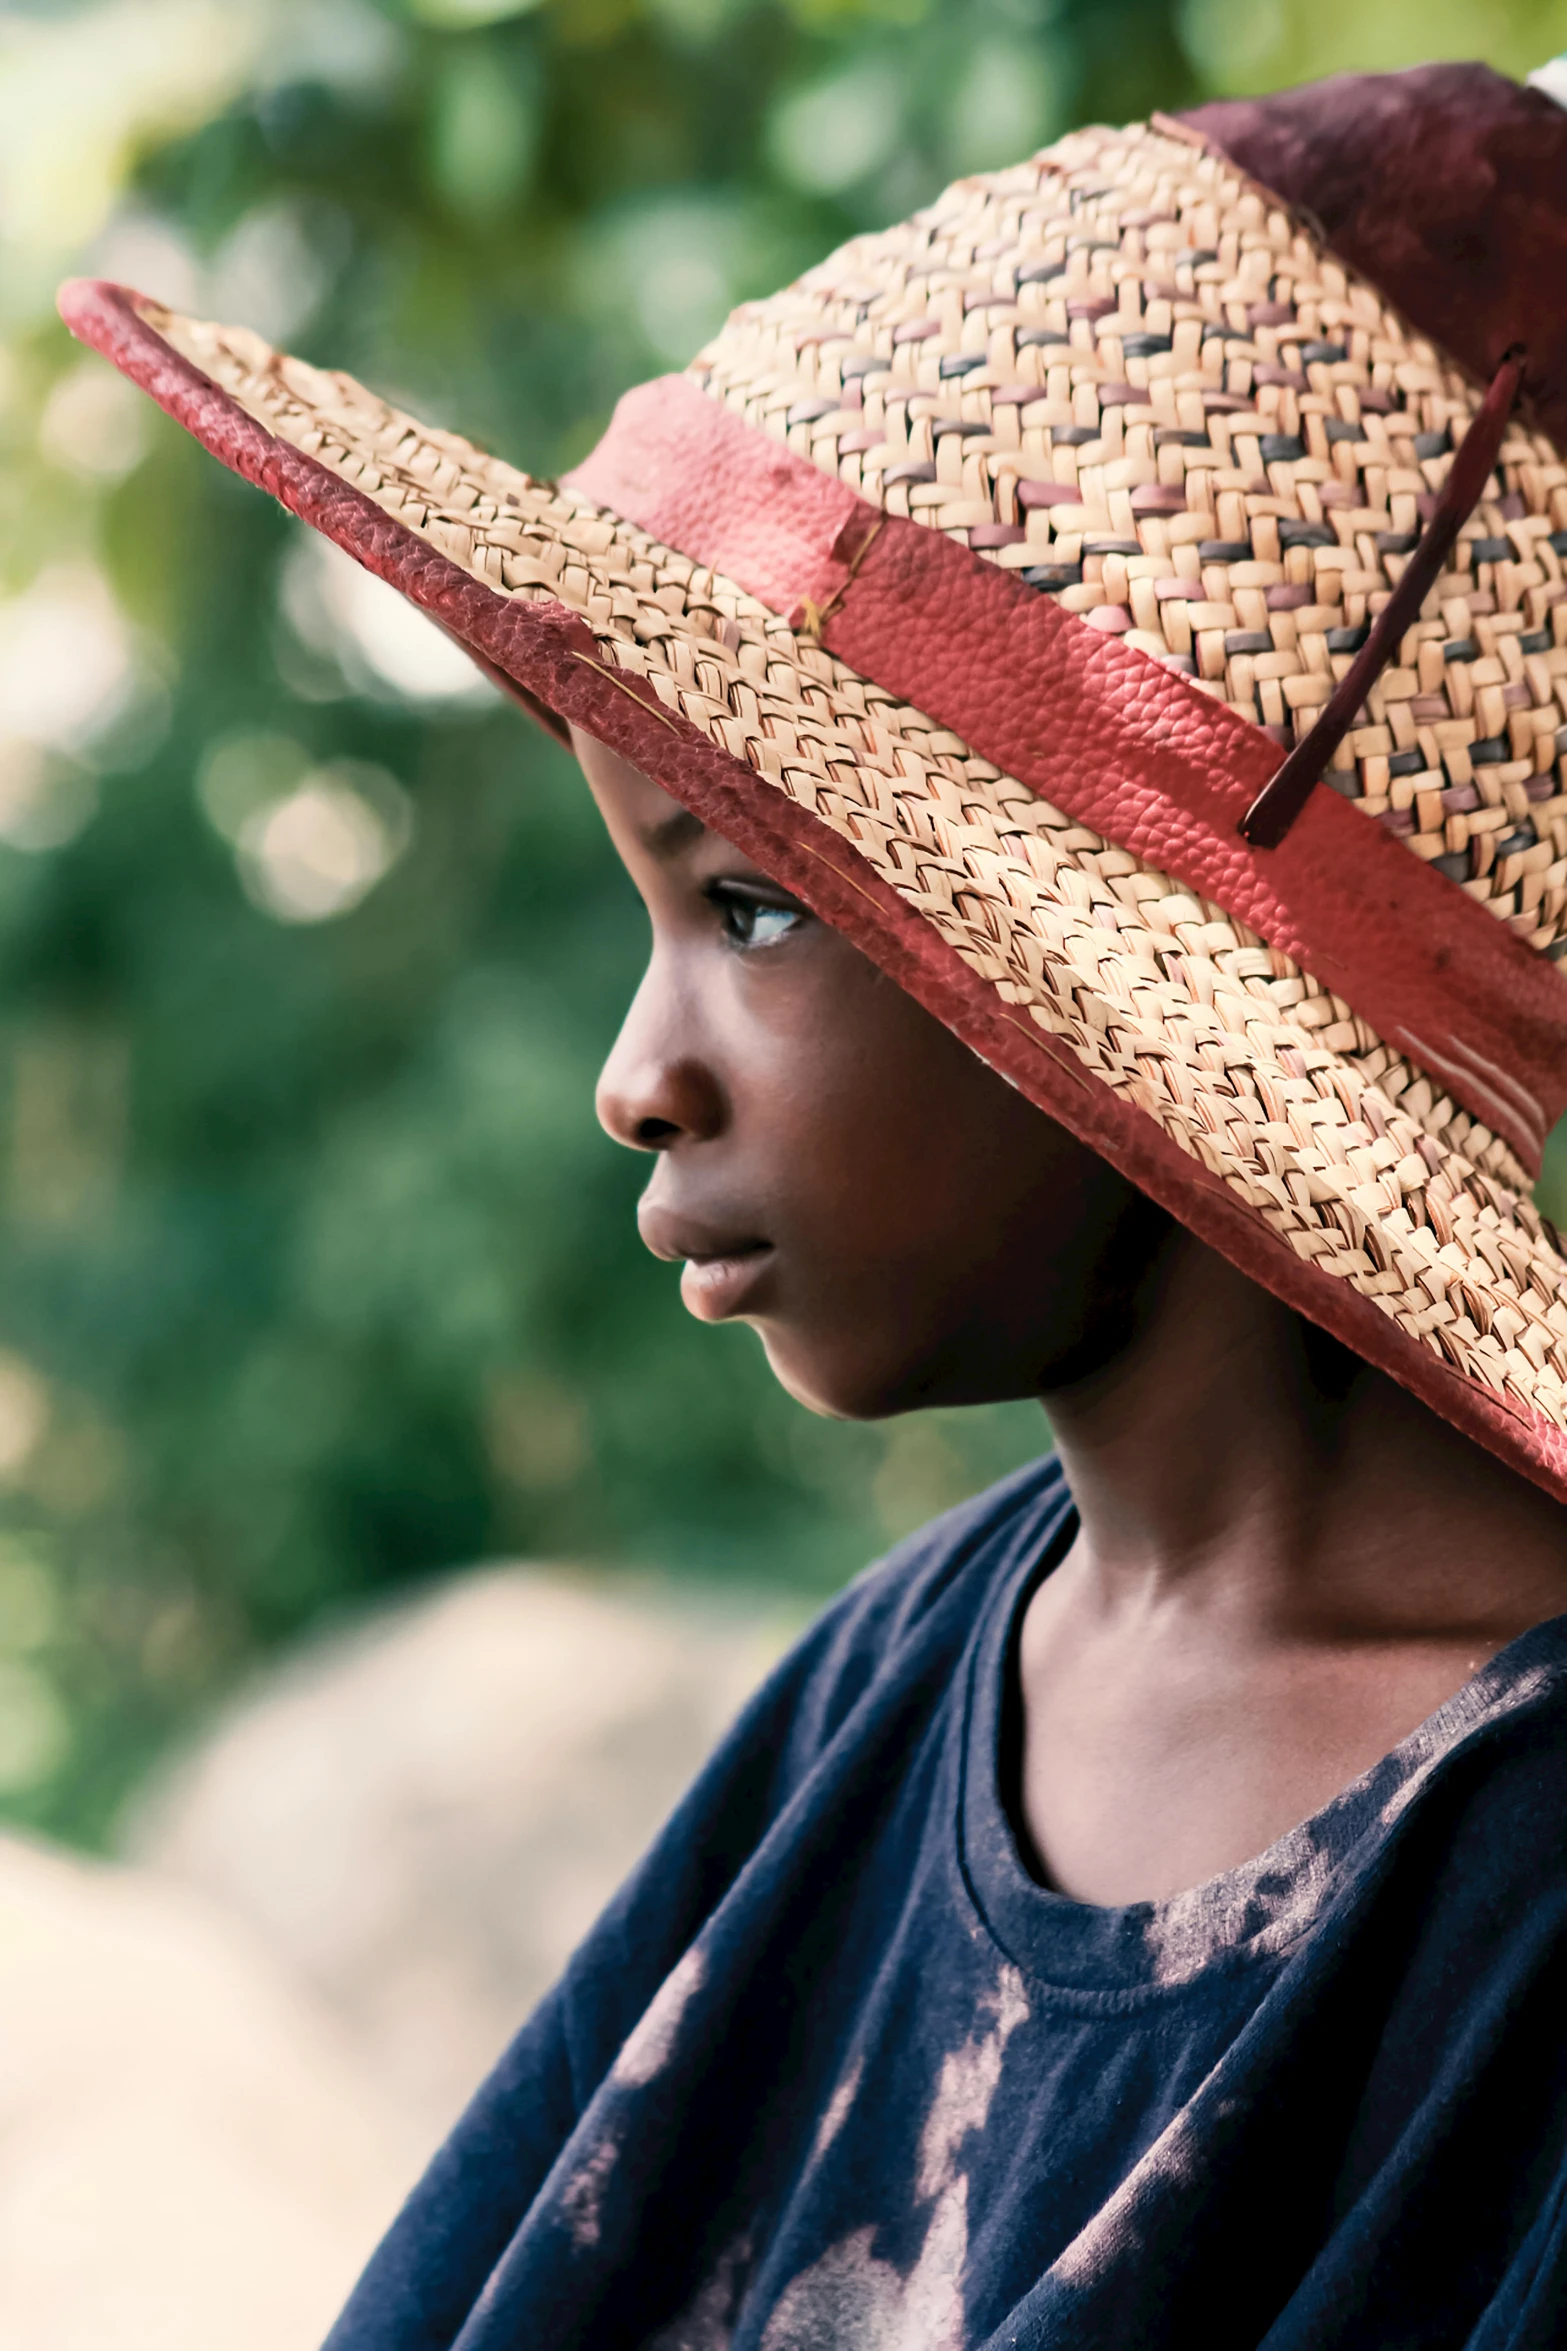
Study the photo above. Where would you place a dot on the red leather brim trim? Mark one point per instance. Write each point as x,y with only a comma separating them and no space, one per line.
106,317
553,656
1108,735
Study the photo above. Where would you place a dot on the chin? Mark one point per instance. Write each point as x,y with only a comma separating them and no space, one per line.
841,1384
824,1382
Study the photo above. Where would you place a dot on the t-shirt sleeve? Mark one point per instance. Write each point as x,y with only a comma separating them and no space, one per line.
433,2263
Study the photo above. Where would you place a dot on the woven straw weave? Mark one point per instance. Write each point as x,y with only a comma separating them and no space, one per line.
1353,1157
1122,372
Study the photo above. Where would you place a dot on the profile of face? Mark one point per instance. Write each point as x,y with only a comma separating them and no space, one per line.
832,1166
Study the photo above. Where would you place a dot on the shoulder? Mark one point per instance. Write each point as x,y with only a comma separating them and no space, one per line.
1475,1837
847,1698
909,1614
971,1542
891,1639
1501,1792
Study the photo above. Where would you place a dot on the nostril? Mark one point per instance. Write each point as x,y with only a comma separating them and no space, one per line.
649,1100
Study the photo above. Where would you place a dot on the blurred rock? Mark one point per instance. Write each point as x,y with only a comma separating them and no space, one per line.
189,2156
424,1816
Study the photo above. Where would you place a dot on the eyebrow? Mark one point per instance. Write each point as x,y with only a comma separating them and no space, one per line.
671,834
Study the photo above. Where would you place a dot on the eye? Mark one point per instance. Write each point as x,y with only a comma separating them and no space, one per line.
750,919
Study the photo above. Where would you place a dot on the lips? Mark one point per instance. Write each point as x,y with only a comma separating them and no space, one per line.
717,1288
725,1268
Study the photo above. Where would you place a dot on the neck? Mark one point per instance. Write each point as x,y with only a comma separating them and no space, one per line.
1231,1455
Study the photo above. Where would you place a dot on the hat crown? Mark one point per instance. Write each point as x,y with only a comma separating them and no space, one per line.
1446,187
1134,377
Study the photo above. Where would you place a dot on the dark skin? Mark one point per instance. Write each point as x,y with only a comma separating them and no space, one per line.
1284,1562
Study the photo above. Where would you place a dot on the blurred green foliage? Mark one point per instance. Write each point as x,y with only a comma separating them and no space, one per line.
317,1273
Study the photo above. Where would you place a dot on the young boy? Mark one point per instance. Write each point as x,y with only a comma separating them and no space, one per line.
1135,1915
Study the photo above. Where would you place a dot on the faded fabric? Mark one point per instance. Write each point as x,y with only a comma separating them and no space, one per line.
834,2073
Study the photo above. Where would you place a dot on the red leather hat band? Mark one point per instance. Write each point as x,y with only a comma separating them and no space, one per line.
1107,735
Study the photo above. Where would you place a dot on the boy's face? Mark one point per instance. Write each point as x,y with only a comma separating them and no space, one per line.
833,1166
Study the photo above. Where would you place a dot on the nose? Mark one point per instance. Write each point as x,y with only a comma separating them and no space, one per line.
655,1090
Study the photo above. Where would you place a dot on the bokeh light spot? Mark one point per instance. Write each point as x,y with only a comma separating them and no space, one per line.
382,643
455,16
65,659
24,1415
29,1598
244,773
1006,102
322,850
34,1731
44,802
94,423
839,131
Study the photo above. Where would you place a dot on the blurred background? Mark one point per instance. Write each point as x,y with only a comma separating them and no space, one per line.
317,1280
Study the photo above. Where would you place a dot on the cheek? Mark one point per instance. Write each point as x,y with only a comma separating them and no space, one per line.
901,1165
850,1098
948,1242
913,1142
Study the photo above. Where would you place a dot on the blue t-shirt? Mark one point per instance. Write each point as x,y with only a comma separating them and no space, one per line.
835,2073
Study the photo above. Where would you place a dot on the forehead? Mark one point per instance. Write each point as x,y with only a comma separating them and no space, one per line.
619,786
642,817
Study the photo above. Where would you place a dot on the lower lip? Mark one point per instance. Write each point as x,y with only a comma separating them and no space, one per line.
714,1288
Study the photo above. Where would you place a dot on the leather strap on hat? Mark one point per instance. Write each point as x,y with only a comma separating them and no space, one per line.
1281,800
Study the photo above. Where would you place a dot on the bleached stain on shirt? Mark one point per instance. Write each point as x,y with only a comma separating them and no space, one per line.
1491,1695
838,2110
582,2198
651,2042
851,2299
969,2078
1267,1903
1263,1905
646,2051
1113,2232
707,2322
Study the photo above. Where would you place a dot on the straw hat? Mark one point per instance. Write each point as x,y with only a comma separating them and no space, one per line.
977,586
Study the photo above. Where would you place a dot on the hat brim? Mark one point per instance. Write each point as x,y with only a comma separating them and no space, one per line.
1212,1069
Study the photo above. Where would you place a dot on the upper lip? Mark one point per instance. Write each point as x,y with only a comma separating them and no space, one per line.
694,1239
